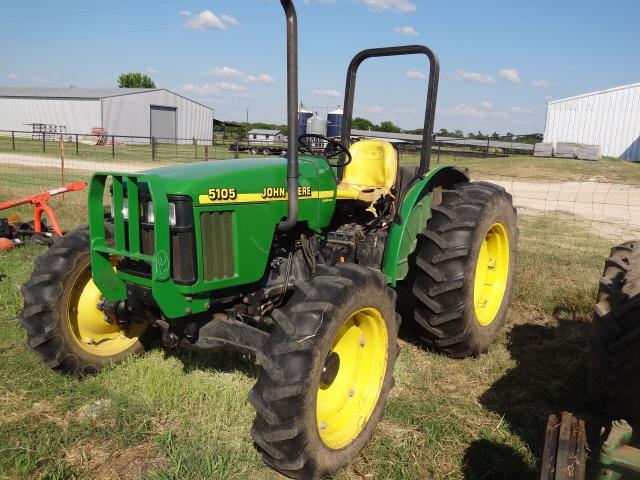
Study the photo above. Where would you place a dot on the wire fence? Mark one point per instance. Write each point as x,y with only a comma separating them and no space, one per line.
598,200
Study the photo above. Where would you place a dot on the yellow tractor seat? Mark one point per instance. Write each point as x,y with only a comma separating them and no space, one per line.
372,172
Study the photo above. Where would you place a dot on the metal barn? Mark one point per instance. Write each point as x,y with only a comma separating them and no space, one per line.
609,118
137,112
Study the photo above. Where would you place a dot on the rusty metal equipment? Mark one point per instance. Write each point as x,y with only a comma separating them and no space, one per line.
13,229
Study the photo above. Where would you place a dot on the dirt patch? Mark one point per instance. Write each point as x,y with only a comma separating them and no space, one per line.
42,411
102,462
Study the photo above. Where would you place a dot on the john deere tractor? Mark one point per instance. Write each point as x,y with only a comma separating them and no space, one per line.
296,260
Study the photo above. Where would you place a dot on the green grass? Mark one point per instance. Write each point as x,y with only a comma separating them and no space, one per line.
180,415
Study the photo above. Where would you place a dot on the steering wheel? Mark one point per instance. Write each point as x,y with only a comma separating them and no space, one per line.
331,150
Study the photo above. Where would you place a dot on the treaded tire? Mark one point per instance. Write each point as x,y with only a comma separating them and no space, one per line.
285,429
614,356
442,277
45,308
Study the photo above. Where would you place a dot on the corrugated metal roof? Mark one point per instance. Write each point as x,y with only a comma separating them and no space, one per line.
47,92
599,92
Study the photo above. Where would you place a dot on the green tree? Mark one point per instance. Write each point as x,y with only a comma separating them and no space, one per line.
495,136
135,80
458,134
360,123
388,126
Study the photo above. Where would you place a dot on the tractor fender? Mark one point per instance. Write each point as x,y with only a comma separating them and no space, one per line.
412,218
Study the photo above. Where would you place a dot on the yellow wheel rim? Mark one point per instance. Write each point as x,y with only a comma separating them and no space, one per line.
88,326
358,357
492,273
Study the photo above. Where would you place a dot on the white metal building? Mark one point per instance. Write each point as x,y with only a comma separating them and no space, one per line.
609,118
138,112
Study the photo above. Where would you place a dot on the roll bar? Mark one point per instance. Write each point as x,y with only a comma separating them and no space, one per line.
432,94
292,116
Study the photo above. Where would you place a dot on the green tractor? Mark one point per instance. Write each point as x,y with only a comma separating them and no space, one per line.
295,260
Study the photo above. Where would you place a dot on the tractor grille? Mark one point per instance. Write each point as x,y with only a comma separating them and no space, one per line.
217,245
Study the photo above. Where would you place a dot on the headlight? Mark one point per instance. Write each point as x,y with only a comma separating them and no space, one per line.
172,214
125,208
151,216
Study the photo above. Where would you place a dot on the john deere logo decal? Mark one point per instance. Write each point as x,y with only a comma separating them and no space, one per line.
162,265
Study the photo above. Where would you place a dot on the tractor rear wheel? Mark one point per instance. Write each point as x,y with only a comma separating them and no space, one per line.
327,371
614,357
464,269
64,325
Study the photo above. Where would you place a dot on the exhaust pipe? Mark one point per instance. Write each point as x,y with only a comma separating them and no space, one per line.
292,116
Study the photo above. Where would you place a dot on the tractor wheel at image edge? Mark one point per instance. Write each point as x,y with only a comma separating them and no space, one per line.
614,356
464,269
327,373
64,326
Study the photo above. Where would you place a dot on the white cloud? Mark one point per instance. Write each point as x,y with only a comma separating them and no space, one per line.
480,112
13,76
464,110
226,72
207,19
212,88
416,75
327,93
204,21
229,72
408,31
510,75
465,76
262,78
398,6
404,110
151,70
540,83
519,110
229,20
373,109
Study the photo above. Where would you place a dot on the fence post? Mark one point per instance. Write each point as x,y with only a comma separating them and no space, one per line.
486,154
153,149
113,147
13,141
62,161
195,149
236,153
77,148
206,153
44,140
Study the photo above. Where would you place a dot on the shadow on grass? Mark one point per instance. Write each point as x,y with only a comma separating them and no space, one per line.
489,460
223,360
550,377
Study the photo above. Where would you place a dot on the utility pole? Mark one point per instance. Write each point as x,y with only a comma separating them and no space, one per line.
247,128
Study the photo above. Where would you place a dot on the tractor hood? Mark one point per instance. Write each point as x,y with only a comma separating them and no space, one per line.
240,181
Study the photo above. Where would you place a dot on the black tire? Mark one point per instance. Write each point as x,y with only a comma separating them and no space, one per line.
614,356
46,302
286,429
443,274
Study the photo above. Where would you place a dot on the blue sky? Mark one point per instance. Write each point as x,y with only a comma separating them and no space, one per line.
501,60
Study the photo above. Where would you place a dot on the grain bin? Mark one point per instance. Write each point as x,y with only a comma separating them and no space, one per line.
334,119
303,117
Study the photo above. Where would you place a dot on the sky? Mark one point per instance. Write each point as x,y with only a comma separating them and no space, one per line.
501,60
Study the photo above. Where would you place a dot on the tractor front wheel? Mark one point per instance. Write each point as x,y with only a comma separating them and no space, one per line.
327,371
64,325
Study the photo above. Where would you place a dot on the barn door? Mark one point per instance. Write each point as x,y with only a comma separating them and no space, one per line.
164,124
